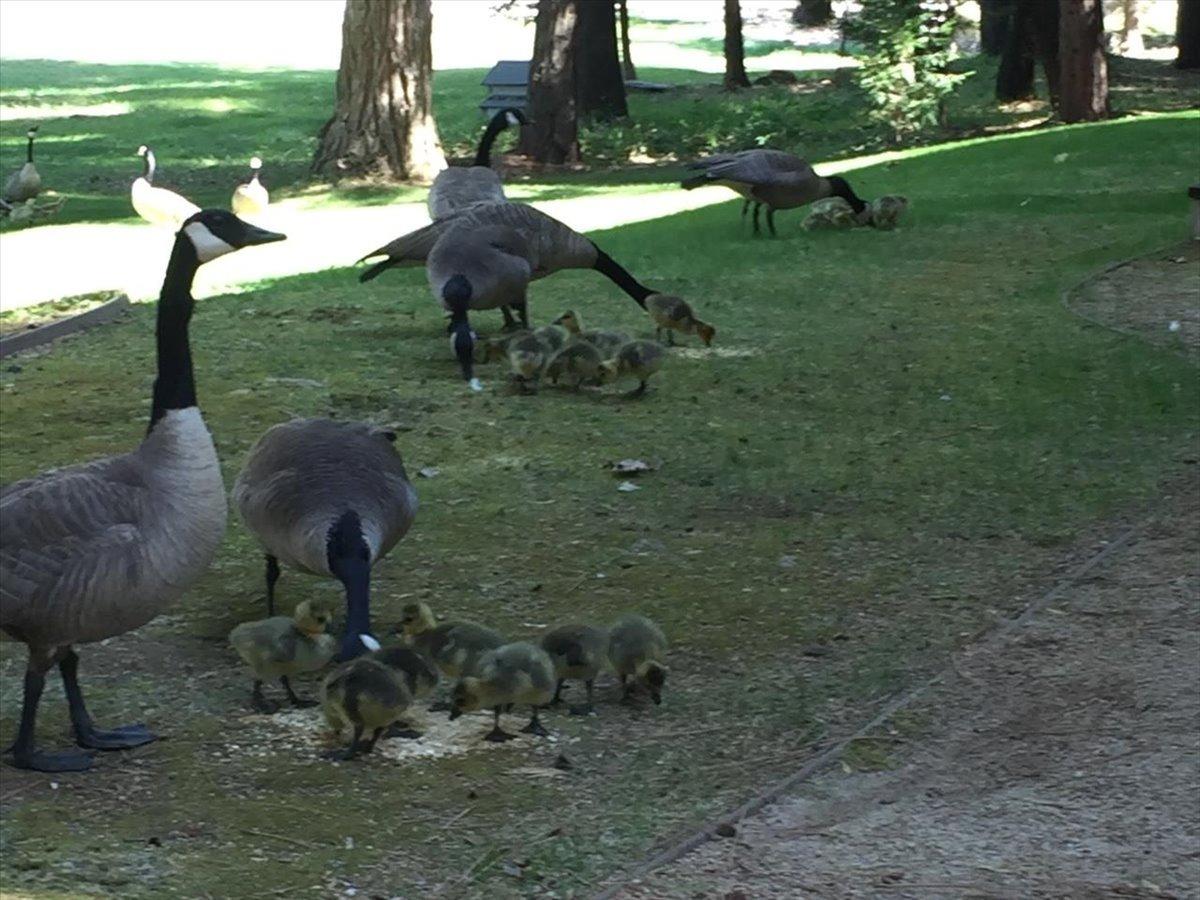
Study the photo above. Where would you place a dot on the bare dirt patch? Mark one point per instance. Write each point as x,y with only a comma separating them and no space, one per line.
1156,297
1057,760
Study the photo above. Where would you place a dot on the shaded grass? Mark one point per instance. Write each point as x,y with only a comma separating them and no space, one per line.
894,439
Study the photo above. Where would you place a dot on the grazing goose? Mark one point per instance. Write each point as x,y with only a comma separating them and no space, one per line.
328,498
251,198
578,360
636,359
366,695
673,314
577,651
96,550
157,205
886,211
457,188
552,245
607,342
636,648
514,673
773,179
25,183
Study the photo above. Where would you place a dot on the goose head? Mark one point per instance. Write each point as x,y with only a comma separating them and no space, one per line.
312,616
514,117
570,321
215,232
467,696
654,675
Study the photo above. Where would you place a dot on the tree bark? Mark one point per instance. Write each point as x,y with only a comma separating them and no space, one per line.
735,52
552,133
1044,17
812,13
995,19
626,59
382,123
1084,95
1014,78
1187,34
1131,30
599,87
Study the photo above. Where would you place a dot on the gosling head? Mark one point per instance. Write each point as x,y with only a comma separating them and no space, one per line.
610,369
312,616
654,675
465,697
416,618
215,232
570,321
706,332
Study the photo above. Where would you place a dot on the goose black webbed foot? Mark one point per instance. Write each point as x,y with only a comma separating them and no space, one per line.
123,738
582,710
402,730
37,761
498,736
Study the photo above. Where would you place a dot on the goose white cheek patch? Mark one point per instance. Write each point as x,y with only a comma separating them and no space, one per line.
208,245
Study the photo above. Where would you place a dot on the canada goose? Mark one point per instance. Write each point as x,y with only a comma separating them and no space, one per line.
578,360
607,342
96,550
478,268
366,695
328,498
157,205
514,673
577,651
673,314
636,359
773,179
458,187
283,646
251,198
886,211
553,245
25,183
454,647
527,356
830,213
636,648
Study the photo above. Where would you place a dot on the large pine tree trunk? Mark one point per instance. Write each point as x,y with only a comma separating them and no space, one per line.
382,122
552,133
735,53
1084,86
599,87
1187,34
627,68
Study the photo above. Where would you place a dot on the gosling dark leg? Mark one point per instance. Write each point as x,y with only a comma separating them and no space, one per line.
757,207
637,391
523,312
535,725
498,735
298,702
771,220
588,708
350,751
626,689
402,730
745,207
509,322
272,577
86,733
557,698
369,746
24,754
261,703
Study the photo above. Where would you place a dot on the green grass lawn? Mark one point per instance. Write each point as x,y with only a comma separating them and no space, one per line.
895,439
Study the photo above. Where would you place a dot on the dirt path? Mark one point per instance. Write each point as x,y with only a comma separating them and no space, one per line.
1058,760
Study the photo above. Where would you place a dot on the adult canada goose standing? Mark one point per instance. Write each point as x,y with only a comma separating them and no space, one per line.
328,498
157,205
96,550
458,187
251,198
25,183
773,179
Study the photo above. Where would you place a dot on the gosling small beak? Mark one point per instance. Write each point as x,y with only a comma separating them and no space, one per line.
657,698
255,235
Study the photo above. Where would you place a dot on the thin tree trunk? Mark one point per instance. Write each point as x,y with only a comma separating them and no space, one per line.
735,53
626,59
599,87
552,133
382,122
1014,78
1044,17
1131,43
1084,96
995,20
1187,34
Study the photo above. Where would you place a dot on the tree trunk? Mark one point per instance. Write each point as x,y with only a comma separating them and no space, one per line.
552,133
599,87
1131,42
626,59
382,122
735,53
1084,96
995,19
812,13
1014,78
1187,34
1043,16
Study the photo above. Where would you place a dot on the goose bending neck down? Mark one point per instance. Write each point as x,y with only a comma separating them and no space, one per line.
93,551
618,275
501,120
456,296
349,558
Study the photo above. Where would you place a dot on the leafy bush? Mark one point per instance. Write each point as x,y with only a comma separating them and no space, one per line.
905,73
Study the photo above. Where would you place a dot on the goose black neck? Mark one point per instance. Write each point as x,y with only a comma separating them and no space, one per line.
839,187
483,156
612,270
175,388
349,560
29,150
148,166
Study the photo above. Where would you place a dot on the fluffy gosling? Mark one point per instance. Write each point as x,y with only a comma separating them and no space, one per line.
636,359
366,696
671,314
636,649
514,673
577,652
578,361
282,646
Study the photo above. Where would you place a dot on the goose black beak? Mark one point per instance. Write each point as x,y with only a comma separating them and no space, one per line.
255,235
